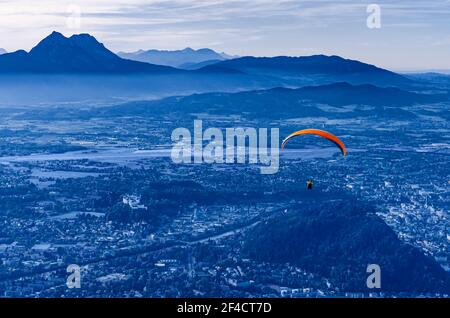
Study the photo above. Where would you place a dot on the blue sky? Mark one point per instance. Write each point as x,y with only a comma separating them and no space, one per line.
414,35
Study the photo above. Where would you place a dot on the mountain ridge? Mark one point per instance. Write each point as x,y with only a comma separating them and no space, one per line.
337,239
315,66
82,60
279,103
82,53
175,58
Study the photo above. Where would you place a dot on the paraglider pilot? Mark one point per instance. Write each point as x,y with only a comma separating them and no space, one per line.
321,133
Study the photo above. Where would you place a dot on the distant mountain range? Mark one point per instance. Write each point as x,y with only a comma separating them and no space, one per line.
84,54
2,51
179,58
341,94
77,54
196,66
338,101
312,68
80,67
369,100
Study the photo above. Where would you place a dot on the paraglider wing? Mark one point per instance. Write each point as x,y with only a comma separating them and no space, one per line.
317,132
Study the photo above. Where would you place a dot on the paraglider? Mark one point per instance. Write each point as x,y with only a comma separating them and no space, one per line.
321,133
317,132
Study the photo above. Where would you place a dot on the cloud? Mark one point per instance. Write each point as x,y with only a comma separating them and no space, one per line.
261,27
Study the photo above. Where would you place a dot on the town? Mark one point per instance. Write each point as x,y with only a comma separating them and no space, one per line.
104,193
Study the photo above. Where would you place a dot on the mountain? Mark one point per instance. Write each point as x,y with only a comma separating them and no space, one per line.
79,68
196,66
175,58
84,54
337,238
77,54
313,68
337,101
347,101
340,94
2,51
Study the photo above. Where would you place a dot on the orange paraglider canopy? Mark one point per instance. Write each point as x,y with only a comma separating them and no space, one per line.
317,132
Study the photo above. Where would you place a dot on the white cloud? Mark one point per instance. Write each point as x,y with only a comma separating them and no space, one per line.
260,27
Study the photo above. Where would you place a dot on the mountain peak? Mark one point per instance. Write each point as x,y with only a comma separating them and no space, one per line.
56,34
84,37
52,39
55,39
57,47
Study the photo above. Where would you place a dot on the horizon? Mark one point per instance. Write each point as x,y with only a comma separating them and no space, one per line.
246,28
